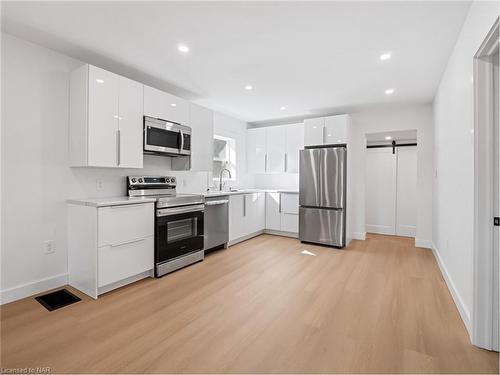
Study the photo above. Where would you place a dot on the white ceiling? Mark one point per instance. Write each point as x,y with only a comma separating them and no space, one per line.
314,58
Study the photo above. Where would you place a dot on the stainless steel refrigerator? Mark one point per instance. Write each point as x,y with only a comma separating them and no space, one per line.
322,195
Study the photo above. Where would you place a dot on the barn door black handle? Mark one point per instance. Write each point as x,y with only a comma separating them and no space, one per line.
496,221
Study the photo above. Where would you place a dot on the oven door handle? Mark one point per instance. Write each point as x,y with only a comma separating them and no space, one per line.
182,140
179,210
216,203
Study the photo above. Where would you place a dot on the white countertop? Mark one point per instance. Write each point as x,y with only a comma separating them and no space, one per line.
217,193
117,201
111,201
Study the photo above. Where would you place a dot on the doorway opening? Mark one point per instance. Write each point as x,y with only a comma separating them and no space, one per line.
391,183
485,313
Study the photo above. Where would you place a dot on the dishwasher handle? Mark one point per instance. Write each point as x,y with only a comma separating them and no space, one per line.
217,202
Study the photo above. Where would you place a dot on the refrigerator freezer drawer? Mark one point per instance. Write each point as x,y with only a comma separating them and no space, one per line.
322,226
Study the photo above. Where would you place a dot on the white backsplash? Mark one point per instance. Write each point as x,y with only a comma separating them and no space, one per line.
277,181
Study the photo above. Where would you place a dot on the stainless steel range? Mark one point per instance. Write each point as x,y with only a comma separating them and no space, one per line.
179,222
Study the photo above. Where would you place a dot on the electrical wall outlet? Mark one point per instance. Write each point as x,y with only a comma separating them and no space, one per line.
49,247
98,184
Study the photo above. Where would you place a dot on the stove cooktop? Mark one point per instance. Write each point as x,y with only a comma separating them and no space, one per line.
163,189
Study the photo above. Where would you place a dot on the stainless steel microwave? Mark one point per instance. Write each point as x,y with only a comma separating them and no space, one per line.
165,137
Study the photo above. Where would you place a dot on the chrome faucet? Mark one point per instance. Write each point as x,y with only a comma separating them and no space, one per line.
220,177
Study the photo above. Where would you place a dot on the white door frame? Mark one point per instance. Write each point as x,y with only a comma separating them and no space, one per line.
484,288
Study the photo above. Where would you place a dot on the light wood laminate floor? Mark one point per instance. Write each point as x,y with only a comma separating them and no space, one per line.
260,307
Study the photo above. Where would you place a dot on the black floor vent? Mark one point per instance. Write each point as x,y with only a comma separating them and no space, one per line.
57,299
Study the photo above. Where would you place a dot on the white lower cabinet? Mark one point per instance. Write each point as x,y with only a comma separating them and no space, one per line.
132,257
282,212
273,216
247,215
109,247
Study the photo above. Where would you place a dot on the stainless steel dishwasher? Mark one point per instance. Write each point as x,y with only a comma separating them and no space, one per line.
216,222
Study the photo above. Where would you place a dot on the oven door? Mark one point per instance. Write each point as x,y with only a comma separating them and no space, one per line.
179,231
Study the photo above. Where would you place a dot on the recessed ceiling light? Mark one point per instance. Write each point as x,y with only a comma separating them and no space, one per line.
248,87
99,80
173,105
282,108
388,137
183,48
389,91
385,56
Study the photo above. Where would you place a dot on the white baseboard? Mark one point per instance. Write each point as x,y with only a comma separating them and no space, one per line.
359,236
244,238
423,243
380,229
128,280
35,287
281,233
462,309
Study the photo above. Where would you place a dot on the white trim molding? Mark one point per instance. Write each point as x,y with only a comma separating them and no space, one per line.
483,310
359,236
457,298
426,244
34,287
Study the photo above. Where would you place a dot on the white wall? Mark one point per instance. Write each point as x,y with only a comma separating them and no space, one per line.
277,181
403,117
454,158
36,179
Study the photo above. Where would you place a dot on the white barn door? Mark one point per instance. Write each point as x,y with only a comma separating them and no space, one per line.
406,204
380,190
391,191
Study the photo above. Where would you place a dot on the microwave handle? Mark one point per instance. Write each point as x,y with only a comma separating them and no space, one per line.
182,140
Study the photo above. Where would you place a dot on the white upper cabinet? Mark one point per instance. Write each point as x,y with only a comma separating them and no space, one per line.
275,149
105,119
336,129
294,143
159,104
313,131
201,121
202,138
327,130
256,150
130,123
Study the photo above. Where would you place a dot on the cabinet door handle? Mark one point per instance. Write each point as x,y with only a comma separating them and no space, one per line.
265,163
279,203
118,145
244,205
127,242
286,161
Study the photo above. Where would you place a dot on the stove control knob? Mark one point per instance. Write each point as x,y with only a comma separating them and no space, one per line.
172,180
134,180
140,180
167,180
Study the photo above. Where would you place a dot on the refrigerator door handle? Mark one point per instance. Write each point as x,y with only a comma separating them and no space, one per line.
320,176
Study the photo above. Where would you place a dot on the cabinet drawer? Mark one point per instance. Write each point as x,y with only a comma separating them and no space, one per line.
120,224
116,263
290,203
